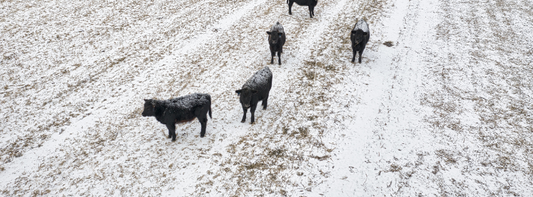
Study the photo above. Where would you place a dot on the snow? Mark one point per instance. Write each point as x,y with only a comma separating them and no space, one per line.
445,111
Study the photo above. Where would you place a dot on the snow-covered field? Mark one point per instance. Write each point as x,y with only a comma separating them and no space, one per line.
447,110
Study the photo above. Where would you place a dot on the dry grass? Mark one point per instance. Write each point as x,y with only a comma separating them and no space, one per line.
274,157
482,86
265,163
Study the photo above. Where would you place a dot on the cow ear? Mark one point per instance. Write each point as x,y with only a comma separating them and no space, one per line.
238,92
269,32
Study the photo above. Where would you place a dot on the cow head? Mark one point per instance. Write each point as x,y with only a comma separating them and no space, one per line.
357,36
246,97
274,37
149,107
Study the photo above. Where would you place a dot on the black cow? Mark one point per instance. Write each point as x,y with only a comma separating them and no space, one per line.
179,110
255,90
310,3
359,37
276,40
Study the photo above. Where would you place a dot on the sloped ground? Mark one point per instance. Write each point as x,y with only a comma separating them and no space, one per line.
445,111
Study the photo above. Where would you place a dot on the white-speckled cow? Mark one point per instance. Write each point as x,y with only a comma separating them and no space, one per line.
179,110
359,36
254,90
276,40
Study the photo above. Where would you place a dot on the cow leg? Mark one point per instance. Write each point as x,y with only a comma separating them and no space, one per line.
252,111
361,53
282,42
311,11
171,131
290,6
354,52
265,102
272,54
203,122
201,115
244,114
279,57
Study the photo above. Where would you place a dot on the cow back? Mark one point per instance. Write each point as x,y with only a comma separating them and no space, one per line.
190,101
277,27
361,25
183,108
276,30
305,2
260,81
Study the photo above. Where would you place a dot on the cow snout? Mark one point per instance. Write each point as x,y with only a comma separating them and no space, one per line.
247,106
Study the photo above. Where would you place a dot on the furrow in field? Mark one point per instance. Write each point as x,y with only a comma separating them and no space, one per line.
288,134
480,92
118,86
49,69
56,99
